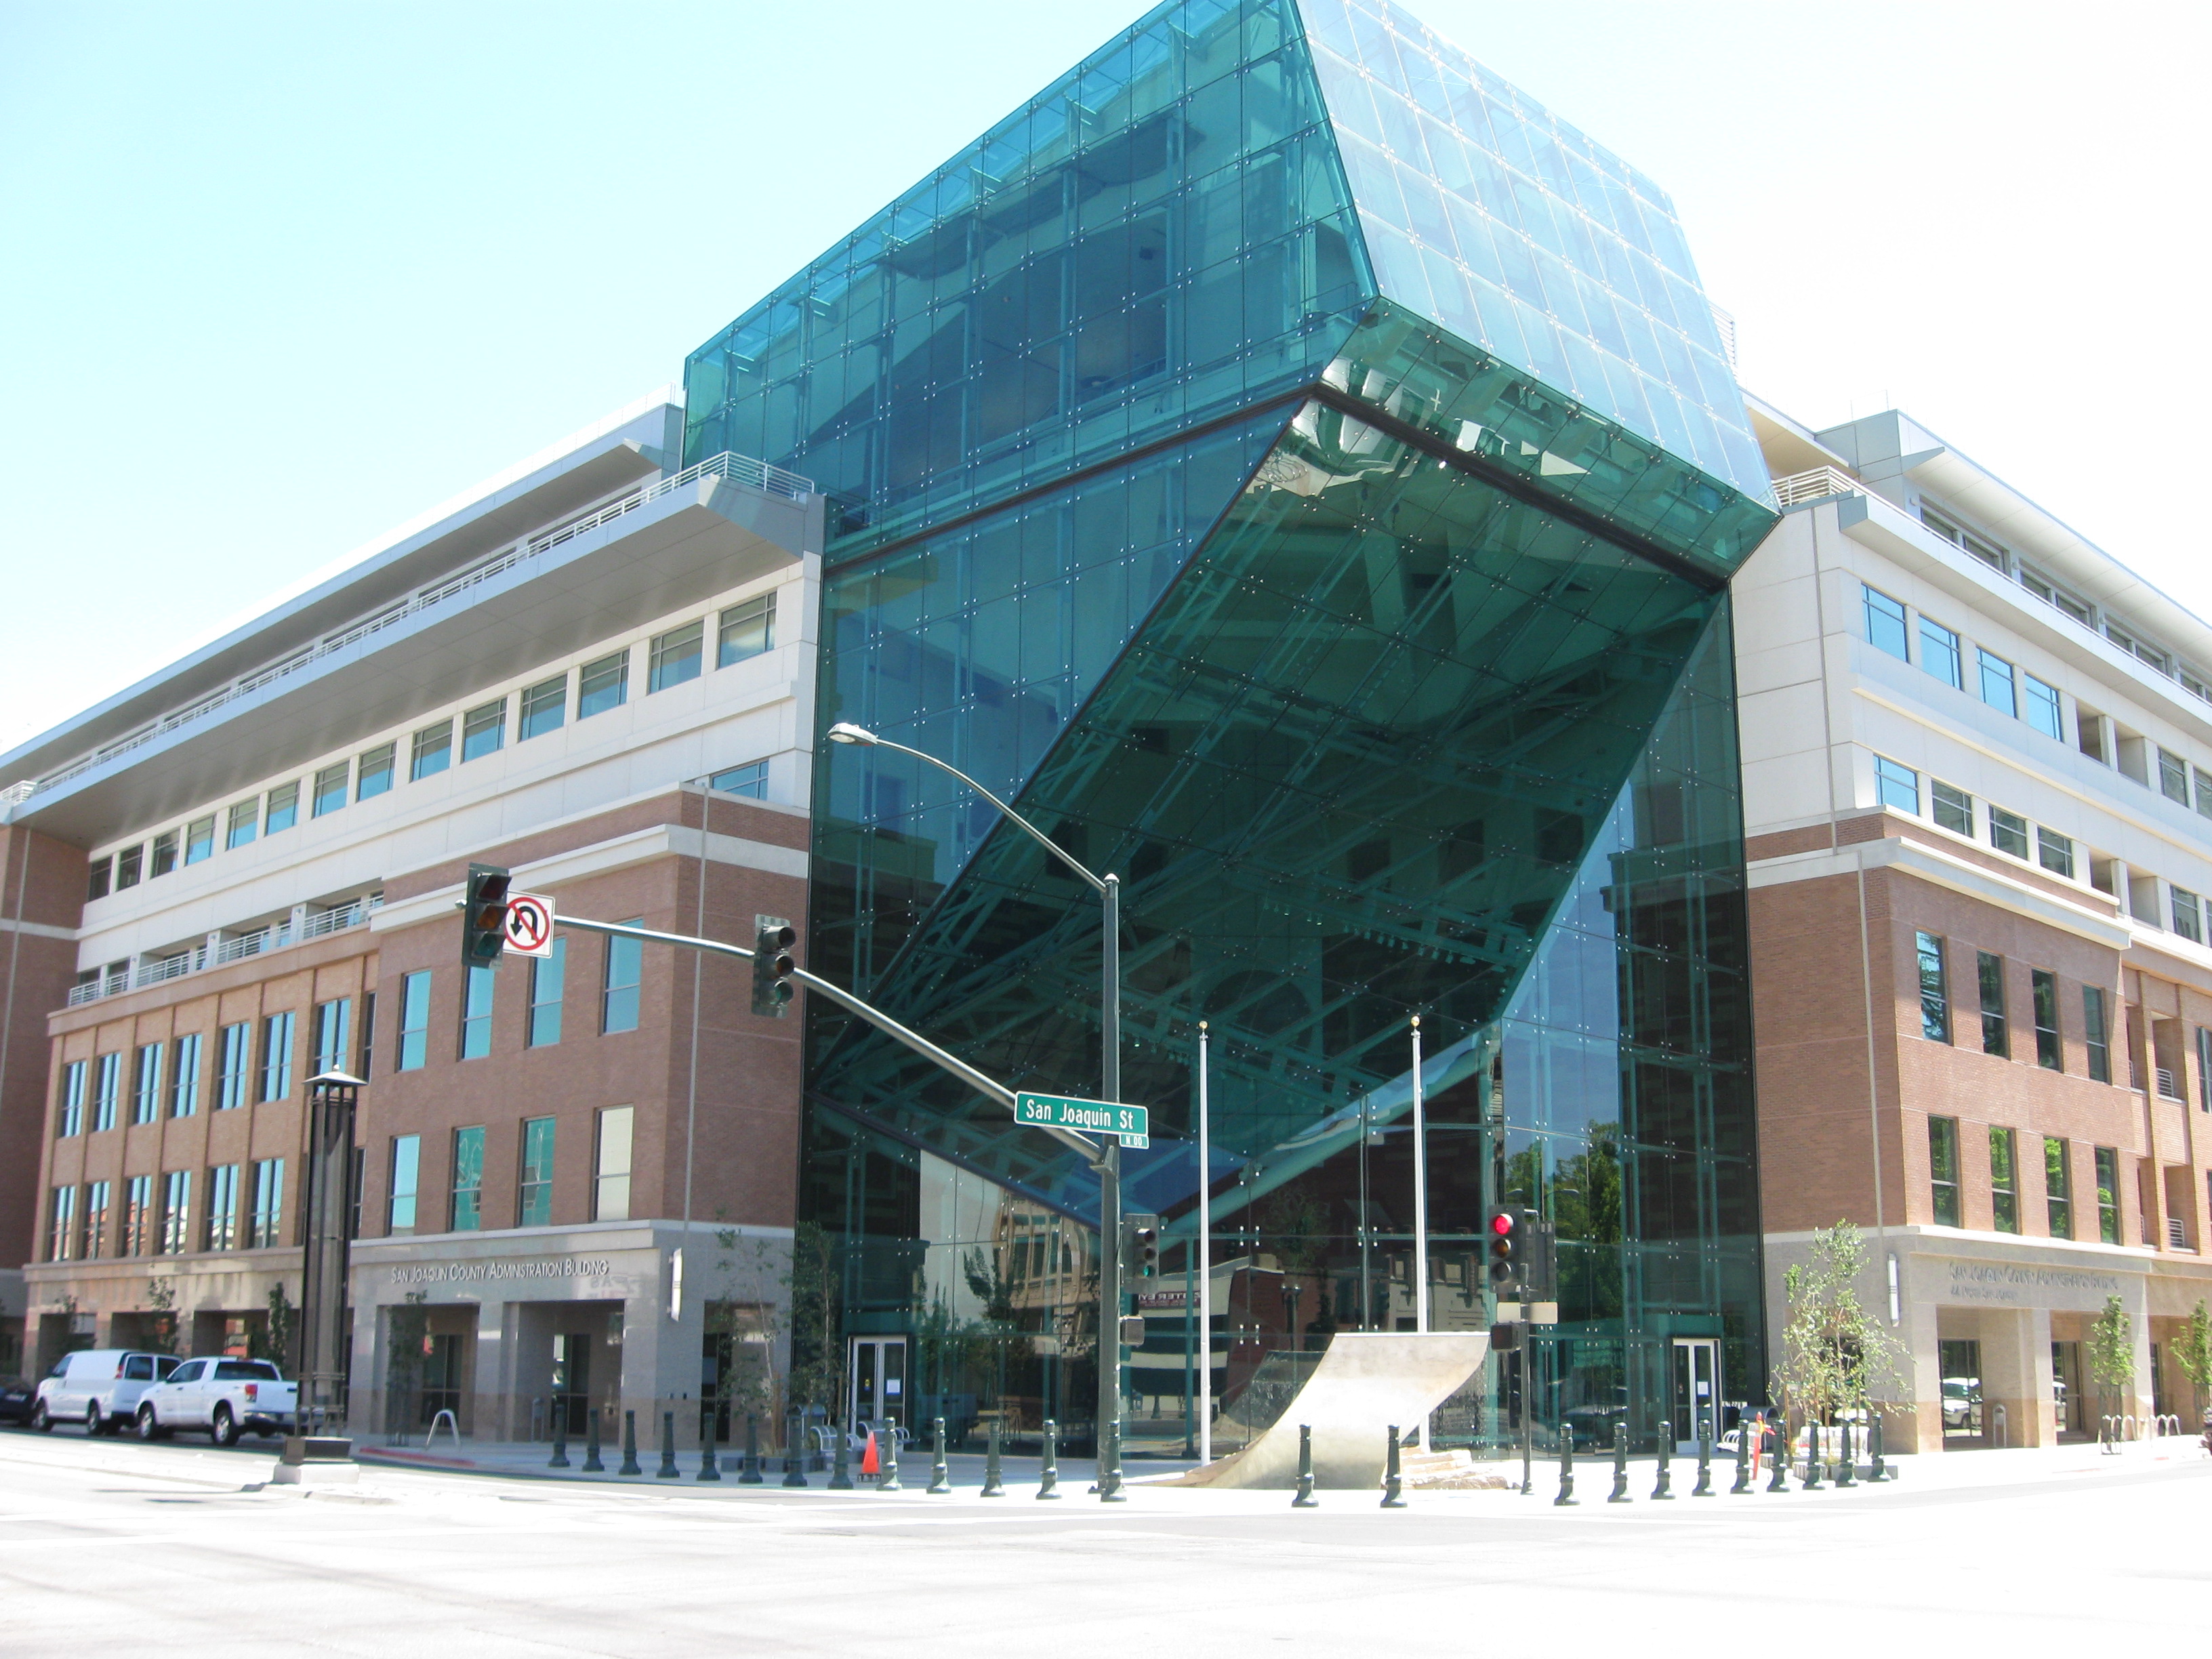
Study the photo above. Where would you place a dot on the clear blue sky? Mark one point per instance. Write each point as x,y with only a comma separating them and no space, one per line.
278,277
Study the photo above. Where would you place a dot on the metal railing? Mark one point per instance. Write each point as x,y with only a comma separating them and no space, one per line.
274,936
2177,1234
1818,484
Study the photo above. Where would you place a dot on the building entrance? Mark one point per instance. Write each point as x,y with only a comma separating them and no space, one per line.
1960,1362
878,1385
572,1381
1697,1389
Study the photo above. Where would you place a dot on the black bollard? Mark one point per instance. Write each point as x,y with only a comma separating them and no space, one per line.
1704,1486
1109,1467
591,1464
795,1455
1812,1458
1049,1473
1779,1480
748,1472
1394,1485
887,1446
710,1467
1848,1475
841,1472
668,1471
1742,1486
629,1463
1305,1499
560,1459
994,1480
1620,1466
940,1477
1875,1470
1566,1499
1665,1488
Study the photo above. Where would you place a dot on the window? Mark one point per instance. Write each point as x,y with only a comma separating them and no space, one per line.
1954,809
99,879
2188,915
675,657
106,1091
1934,996
61,1225
2173,776
1885,624
484,731
546,976
2203,791
625,967
1996,682
749,629
2058,1186
267,1224
222,1207
368,1035
1939,654
1943,1169
165,853
414,1021
331,788
176,1223
95,1218
2108,1194
138,1216
2004,1183
199,839
432,751
468,1180
2054,852
475,1013
128,863
2149,653
332,1020
277,1056
184,1077
244,824
533,1206
69,1120
1990,970
611,1168
2045,985
750,779
2007,832
2094,1034
406,1178
544,707
146,1085
373,776
283,809
1896,786
603,685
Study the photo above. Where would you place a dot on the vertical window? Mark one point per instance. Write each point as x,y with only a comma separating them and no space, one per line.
199,839
2108,1194
184,1077
1990,971
749,629
2054,852
146,1085
611,1166
2009,832
546,975
268,1212
475,1013
674,657
2173,776
2058,1186
1952,808
1935,994
244,824
533,1206
2095,1034
1885,624
2041,706
544,707
2188,915
2203,1069
1896,786
283,809
138,1216
1940,655
373,776
1943,1169
1996,683
2047,1054
61,1225
99,879
750,779
332,1022
406,1182
368,1049
95,1219
625,967
414,1021
106,1091
432,751
222,1207
603,685
468,1180
2004,1183
2203,791
176,1212
69,1120
331,788
127,866
165,853
484,731
277,1056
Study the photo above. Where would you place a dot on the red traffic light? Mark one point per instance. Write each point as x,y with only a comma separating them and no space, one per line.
1502,1223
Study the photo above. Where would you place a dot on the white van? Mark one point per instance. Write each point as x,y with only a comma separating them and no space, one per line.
97,1387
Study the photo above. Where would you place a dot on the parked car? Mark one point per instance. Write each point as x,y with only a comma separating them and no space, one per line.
16,1397
225,1396
97,1387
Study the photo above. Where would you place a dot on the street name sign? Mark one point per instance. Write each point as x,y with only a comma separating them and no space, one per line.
530,924
1130,1125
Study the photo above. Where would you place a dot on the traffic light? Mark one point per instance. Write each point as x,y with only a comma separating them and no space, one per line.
773,967
1505,1336
1140,1245
484,915
1540,1269
1504,1251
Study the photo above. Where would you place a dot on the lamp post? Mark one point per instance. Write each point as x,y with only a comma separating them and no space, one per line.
324,1338
1108,1161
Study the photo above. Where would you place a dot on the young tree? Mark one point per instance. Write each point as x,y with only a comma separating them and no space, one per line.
161,1298
1832,1349
2111,1349
2192,1351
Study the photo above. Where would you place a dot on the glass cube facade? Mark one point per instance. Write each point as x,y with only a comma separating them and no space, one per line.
1193,492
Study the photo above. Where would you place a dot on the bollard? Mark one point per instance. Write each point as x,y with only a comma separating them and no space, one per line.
841,1472
940,1478
1704,1486
668,1471
795,1455
1393,1487
591,1464
1305,1499
629,1463
1848,1475
1619,1465
709,1468
1527,1455
1566,1497
1048,1471
889,1442
1812,1458
1743,1456
1779,1480
1876,1471
749,1473
1665,1488
994,1484
560,1459
1110,1465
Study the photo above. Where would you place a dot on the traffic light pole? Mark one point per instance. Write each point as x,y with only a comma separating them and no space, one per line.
1108,1165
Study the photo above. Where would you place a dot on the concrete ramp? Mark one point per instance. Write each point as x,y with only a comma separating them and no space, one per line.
1364,1382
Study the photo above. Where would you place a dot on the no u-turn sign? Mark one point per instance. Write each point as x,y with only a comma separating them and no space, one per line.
530,924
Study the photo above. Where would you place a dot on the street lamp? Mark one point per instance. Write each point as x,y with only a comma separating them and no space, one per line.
324,1340
1108,1162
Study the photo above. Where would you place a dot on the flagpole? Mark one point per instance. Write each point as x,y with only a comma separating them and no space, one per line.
1420,1205
1205,1264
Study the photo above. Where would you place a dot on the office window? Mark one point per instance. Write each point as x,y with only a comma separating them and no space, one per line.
267,1225
484,731
331,788
373,776
406,1179
603,685
533,1205
2188,914
1896,786
414,1022
1935,995
184,1077
475,1013
367,1048
432,751
99,879
106,1091
2108,1194
468,1180
176,1226
1943,1169
625,969
2203,779
1952,808
2054,852
749,629
222,1207
2058,1186
277,1056
332,1023
750,779
675,657
611,1167
1990,971
2007,832
2173,776
244,824
199,839
61,1225
164,855
75,1079
2041,706
138,1237
128,864
1885,623
544,707
1996,684
283,809
1940,654
547,975
146,1084
2045,985
2004,1183
95,1219
2095,1035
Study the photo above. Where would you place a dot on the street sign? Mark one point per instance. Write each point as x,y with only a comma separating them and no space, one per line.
530,924
1130,1125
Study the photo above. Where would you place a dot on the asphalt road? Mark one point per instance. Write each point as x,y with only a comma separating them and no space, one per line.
106,1544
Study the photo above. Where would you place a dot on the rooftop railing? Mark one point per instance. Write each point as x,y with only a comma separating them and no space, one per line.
252,942
1818,484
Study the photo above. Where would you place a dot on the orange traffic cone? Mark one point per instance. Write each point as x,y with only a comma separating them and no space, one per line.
871,1465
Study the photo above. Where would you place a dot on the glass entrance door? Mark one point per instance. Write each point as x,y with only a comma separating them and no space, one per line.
877,1375
1961,1362
572,1380
1697,1389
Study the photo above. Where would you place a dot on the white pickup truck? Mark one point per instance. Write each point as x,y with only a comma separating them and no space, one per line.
225,1397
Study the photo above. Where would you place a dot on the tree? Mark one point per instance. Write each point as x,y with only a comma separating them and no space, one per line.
2192,1351
817,1358
161,1298
275,1340
2112,1349
1832,1349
